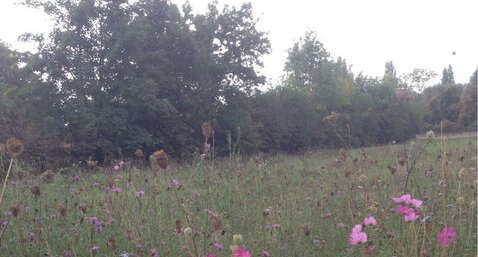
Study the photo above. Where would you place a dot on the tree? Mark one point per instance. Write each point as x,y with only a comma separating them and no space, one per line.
448,78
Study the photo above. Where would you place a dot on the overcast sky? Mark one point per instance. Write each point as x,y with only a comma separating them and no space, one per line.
367,33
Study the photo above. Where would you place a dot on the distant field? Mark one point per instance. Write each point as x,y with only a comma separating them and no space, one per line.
302,205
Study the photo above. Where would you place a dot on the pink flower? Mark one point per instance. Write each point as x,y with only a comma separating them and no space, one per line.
266,254
357,229
116,167
417,203
411,217
446,236
276,226
357,238
7,213
404,198
240,252
139,194
211,255
370,221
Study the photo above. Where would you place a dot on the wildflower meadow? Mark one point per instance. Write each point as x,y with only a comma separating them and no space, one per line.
413,199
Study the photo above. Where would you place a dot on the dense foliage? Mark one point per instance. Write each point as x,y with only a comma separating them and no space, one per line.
114,76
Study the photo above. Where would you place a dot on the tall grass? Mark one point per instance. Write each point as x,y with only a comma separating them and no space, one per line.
303,205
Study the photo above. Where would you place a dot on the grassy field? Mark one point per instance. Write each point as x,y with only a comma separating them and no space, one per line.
302,205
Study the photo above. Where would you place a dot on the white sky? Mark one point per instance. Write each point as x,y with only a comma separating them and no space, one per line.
367,33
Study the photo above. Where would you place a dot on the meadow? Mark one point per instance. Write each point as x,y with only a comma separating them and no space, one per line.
318,203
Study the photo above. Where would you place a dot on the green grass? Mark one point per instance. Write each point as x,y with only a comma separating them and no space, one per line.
316,198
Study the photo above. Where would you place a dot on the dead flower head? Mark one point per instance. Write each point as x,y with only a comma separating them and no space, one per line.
139,153
158,160
15,147
207,130
47,176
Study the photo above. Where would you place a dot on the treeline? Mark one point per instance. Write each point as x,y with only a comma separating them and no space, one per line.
113,77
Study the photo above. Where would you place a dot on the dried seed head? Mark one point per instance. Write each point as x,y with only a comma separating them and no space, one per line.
48,176
402,161
236,238
462,173
15,209
14,147
207,130
333,116
158,160
139,153
91,165
216,223
35,191
62,211
112,243
307,228
3,149
430,135
267,211
188,232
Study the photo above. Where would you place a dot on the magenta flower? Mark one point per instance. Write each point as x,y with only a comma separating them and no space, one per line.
370,221
404,210
357,238
154,252
446,236
139,194
241,252
276,226
176,183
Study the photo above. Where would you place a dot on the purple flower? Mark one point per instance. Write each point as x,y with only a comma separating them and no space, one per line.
116,190
219,246
5,223
139,194
94,220
176,183
154,252
7,213
96,184
99,229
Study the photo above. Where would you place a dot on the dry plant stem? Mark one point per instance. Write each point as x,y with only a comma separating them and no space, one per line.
5,182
